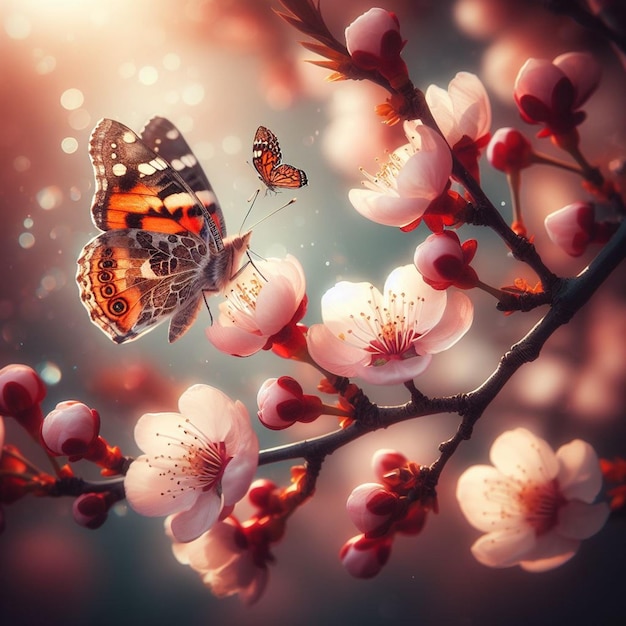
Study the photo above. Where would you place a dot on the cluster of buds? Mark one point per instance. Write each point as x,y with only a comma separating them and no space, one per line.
399,503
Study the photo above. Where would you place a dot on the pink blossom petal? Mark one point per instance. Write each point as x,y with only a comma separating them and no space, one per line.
333,354
407,280
440,105
579,520
456,320
583,71
148,490
471,106
478,493
275,305
504,548
167,424
240,472
550,551
190,524
231,339
579,476
393,372
390,210
520,454
200,403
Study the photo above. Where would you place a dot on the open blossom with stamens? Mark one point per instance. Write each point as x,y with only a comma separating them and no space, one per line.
406,186
387,338
196,464
263,307
463,114
534,505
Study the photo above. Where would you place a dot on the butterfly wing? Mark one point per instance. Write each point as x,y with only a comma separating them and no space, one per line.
130,280
136,188
166,140
267,157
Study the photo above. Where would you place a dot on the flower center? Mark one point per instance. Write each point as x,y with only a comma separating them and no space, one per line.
541,503
194,462
386,178
243,296
389,330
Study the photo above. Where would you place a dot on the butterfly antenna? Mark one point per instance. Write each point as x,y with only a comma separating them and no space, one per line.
251,200
284,206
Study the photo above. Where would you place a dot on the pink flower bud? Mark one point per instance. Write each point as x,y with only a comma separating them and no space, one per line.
572,227
91,510
281,403
21,392
550,92
260,493
20,389
70,429
509,151
371,508
363,557
374,43
385,461
443,261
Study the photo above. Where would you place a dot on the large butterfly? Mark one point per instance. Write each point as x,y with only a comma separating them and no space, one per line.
266,158
164,242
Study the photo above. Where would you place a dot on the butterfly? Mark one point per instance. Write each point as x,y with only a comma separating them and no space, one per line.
164,243
266,158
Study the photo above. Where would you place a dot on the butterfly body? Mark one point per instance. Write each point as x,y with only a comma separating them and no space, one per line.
267,160
164,242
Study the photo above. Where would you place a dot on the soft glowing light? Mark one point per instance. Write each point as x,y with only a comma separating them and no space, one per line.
193,94
50,197
231,144
29,222
79,119
21,163
148,75
49,372
127,69
44,62
17,26
171,61
69,145
26,240
72,99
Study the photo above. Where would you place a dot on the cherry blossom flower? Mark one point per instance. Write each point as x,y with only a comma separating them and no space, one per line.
196,463
374,43
406,186
509,150
263,307
552,92
364,557
70,429
226,559
443,261
371,507
282,403
387,338
463,114
534,505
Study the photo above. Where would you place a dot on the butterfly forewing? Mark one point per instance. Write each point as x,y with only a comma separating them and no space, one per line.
167,141
267,157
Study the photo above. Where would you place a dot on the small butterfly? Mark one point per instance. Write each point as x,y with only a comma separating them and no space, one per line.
164,243
266,158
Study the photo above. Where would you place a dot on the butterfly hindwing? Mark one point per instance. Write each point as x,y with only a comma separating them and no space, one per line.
137,188
267,157
137,278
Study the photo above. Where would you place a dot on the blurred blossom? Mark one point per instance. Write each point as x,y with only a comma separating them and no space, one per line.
195,464
416,174
264,302
534,505
387,338
463,114
552,92
227,560
572,227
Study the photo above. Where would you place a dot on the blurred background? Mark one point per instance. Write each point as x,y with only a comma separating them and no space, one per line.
218,69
